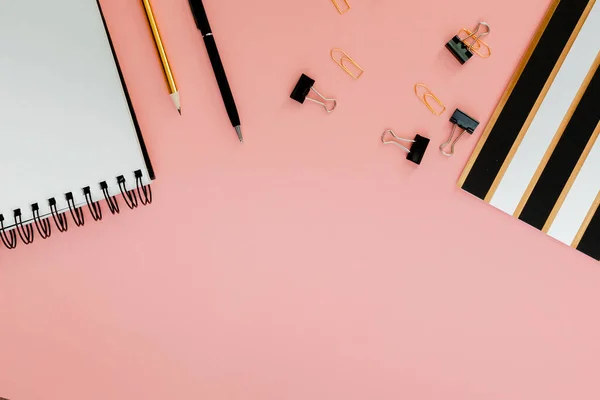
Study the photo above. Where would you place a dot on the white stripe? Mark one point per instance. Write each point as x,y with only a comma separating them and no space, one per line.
579,200
550,115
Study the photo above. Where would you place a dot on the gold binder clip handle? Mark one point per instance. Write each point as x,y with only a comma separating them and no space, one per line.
474,42
466,33
344,60
475,46
342,9
428,94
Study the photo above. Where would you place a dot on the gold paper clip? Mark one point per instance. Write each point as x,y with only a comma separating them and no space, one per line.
429,95
476,44
342,10
345,57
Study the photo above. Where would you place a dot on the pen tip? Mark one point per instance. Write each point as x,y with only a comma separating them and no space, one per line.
238,130
179,110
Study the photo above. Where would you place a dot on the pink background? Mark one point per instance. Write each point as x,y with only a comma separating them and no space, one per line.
312,262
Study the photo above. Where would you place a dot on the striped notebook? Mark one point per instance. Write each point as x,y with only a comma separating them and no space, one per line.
539,158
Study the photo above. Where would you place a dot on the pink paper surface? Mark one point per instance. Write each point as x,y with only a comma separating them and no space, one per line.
312,262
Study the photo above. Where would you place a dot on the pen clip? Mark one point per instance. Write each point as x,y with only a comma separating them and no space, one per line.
199,14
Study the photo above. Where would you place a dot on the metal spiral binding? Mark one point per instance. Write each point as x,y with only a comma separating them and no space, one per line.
9,239
43,225
128,195
142,189
93,206
76,213
113,204
59,219
25,231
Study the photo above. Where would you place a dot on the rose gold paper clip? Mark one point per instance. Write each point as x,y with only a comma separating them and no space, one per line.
428,94
342,9
476,44
345,58
464,48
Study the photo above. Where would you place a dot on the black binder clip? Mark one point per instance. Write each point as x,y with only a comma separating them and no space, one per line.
461,49
417,148
464,122
303,88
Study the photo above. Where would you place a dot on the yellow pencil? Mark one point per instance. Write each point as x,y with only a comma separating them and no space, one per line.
163,56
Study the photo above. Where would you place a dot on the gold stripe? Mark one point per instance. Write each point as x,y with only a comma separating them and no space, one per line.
572,178
557,137
511,86
586,222
539,102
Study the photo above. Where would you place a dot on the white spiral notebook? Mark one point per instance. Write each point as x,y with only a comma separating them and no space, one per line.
69,136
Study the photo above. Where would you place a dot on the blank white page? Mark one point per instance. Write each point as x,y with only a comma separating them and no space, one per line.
65,121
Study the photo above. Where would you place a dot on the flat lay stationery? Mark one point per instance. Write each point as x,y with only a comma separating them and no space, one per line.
414,214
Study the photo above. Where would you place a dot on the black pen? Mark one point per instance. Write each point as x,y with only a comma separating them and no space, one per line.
211,46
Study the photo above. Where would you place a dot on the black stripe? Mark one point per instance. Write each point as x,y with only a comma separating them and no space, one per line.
521,101
590,243
563,160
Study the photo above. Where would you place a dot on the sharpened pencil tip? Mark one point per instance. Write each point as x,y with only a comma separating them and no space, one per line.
177,101
238,130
